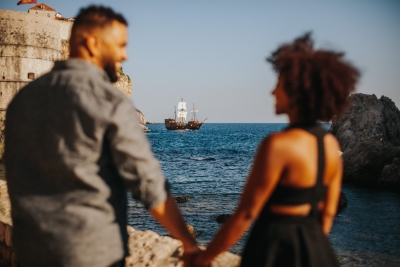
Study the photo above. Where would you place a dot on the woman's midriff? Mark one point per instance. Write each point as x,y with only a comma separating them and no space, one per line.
293,210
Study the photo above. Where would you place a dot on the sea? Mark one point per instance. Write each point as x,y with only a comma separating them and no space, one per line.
210,167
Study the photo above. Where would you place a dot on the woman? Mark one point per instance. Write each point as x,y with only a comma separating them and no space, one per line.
294,184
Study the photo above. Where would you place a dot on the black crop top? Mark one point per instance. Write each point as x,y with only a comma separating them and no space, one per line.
294,195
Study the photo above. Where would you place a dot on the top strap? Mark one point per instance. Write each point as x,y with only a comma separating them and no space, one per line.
319,188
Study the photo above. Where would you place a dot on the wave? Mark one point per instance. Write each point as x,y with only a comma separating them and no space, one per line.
202,159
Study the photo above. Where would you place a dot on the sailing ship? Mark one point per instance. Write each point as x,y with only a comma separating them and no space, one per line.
178,122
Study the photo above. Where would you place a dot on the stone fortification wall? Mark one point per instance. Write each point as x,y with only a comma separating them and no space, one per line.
65,29
7,255
28,44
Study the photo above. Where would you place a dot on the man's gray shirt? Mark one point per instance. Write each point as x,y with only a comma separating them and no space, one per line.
73,146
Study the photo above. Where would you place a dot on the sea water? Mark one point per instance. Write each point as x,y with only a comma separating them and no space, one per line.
210,167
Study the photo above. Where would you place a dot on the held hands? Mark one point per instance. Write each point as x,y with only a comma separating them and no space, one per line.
195,258
201,261
189,254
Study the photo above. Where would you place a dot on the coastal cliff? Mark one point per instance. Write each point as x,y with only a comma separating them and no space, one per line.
369,135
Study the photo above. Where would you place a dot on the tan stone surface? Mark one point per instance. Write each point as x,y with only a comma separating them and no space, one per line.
124,84
149,249
5,205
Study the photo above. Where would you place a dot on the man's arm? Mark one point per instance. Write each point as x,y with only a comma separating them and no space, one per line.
167,213
142,174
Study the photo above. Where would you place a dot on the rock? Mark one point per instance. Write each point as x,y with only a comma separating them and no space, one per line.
369,136
223,218
192,231
391,172
149,249
182,199
342,202
366,160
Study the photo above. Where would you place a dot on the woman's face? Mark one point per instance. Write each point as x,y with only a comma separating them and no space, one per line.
281,98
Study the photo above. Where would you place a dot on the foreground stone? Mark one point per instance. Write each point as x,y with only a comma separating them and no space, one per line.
192,231
182,199
391,172
342,202
146,247
369,135
223,218
149,249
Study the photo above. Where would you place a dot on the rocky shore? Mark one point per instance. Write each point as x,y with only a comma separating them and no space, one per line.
147,248
369,135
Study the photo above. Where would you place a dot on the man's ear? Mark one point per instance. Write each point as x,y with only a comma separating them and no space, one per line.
93,46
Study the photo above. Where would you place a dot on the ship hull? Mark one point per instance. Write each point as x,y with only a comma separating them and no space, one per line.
194,125
171,124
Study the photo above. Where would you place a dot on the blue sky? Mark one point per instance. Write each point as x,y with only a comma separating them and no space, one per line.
213,52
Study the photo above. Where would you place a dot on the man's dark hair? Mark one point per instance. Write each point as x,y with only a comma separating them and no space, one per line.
318,82
97,16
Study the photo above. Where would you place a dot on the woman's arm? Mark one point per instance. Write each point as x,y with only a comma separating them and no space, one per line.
333,193
268,165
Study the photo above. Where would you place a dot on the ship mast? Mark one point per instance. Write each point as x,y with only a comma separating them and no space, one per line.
194,111
175,113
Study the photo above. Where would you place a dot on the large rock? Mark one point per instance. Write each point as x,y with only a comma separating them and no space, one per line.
369,135
149,249
391,172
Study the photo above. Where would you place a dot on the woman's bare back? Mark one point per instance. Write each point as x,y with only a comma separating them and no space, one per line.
301,150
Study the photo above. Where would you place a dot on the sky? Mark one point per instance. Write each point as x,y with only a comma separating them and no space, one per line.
212,52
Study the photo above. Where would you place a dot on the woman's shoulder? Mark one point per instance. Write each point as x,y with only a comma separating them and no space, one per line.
278,141
289,139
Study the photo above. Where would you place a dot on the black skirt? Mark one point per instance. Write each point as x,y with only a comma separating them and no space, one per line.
288,241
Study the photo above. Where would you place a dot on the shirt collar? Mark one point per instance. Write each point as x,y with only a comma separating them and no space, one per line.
80,64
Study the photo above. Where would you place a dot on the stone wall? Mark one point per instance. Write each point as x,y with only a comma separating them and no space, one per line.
7,255
28,44
65,28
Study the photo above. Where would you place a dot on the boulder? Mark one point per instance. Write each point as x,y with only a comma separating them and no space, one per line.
149,249
369,136
192,231
391,172
342,202
222,218
182,199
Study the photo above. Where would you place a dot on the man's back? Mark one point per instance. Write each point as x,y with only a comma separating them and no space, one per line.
72,145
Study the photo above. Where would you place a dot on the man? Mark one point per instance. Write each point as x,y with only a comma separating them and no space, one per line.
73,146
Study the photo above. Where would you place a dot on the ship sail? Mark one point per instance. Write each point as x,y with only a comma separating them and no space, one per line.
182,111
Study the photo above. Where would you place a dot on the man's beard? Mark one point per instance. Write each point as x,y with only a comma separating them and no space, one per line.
112,73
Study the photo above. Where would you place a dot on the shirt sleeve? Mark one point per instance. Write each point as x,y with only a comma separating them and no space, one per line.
134,158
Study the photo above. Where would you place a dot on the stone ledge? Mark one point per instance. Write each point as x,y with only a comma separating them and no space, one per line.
149,249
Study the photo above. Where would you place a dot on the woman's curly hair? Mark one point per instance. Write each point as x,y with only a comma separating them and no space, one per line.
318,82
